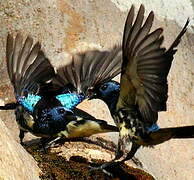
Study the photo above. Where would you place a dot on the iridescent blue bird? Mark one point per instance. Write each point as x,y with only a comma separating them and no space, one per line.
142,92
49,111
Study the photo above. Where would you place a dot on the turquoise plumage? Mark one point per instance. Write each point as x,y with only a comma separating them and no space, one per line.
70,100
29,102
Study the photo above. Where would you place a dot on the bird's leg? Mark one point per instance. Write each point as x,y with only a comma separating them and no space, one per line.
110,168
21,136
119,152
132,152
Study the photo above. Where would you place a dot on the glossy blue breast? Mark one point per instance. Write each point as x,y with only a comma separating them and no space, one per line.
70,100
56,114
29,102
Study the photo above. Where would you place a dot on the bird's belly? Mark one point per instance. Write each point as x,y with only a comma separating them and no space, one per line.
82,130
24,120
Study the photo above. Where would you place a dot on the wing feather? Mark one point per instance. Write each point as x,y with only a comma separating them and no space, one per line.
145,66
26,64
9,54
89,69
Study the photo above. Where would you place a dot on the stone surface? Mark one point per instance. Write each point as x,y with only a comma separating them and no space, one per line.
65,26
15,162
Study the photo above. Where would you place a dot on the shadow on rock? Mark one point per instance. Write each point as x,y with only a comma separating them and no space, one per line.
56,167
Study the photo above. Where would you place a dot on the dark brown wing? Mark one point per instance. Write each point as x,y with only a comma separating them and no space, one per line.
90,68
145,66
26,64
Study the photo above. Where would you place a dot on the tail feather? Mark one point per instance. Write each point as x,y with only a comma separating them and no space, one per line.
9,106
166,134
182,132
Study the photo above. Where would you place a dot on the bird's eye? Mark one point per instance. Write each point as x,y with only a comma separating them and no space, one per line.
104,87
61,111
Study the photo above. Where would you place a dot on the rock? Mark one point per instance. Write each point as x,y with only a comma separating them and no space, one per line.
16,163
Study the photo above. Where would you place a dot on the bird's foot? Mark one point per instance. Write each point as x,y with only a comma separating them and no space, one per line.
47,143
137,162
53,143
109,168
119,155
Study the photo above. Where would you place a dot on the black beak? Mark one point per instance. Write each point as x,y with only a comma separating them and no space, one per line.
91,93
92,96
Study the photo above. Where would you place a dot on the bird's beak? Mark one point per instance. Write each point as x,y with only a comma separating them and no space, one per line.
92,95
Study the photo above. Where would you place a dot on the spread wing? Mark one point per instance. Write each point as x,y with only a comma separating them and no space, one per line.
89,69
27,65
145,66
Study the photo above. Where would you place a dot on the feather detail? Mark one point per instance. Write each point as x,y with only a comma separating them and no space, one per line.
145,66
27,65
90,69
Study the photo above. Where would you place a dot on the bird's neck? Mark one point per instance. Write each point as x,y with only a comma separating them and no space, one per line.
111,102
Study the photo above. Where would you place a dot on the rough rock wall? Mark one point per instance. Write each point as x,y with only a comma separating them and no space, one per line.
16,163
65,26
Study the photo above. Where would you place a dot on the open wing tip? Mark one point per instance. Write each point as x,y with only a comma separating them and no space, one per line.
142,7
151,14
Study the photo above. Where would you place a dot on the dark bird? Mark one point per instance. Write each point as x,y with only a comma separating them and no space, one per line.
135,102
48,111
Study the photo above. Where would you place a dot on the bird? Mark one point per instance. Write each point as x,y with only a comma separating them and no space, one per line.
43,107
134,103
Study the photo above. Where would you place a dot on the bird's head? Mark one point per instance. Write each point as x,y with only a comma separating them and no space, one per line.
57,113
105,91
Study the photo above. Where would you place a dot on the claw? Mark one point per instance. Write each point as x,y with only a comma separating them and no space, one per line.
109,168
101,169
113,168
137,162
48,142
53,143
